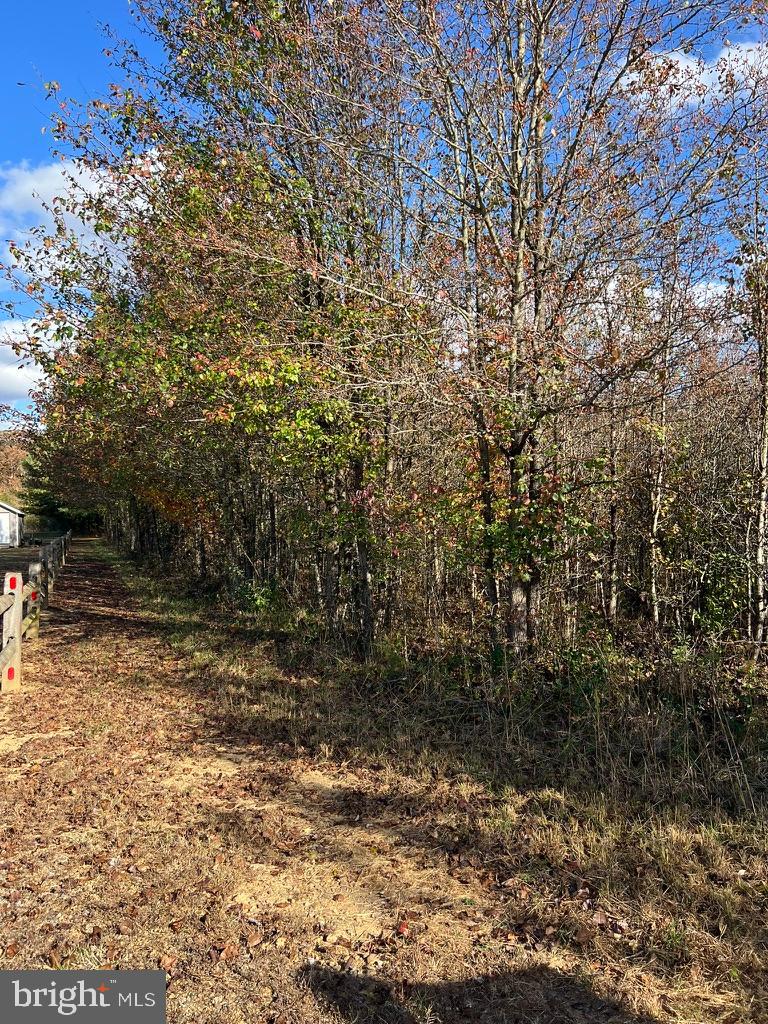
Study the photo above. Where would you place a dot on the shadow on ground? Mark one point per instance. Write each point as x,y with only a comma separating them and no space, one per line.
92,615
534,996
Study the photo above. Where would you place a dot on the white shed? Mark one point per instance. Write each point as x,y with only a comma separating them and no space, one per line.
11,526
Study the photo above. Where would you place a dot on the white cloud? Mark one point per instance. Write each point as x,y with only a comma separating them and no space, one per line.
17,377
709,292
28,194
25,188
690,79
739,62
26,191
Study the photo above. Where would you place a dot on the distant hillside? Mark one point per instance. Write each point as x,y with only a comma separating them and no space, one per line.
12,454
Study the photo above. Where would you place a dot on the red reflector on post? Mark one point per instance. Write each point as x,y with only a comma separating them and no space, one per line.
33,595
11,672
12,583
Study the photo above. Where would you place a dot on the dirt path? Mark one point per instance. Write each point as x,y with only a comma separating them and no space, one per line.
138,831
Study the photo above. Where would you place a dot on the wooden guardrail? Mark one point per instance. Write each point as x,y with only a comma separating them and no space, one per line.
21,604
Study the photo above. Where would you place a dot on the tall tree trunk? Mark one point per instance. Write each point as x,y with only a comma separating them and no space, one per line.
361,551
657,491
612,590
761,542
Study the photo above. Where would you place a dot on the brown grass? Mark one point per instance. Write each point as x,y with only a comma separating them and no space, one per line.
320,843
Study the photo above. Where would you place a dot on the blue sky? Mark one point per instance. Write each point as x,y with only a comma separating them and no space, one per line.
40,41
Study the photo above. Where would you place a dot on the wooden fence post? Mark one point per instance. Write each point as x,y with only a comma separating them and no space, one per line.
49,569
35,599
43,579
12,630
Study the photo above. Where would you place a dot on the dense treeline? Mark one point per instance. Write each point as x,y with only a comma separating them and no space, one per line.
442,322
12,454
